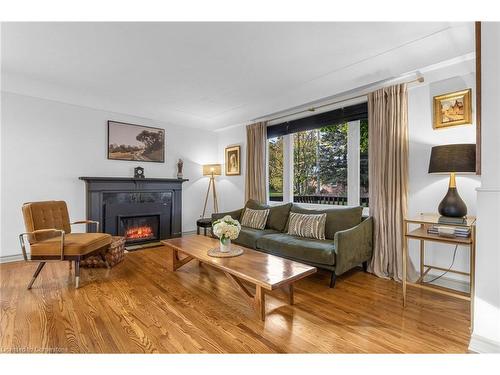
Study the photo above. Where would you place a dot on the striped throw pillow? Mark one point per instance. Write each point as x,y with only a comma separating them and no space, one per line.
304,225
254,218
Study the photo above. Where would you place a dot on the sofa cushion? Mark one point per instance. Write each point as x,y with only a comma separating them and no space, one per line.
46,215
74,244
298,248
256,219
248,236
309,226
278,215
337,218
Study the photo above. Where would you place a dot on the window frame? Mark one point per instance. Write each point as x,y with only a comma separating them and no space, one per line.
353,168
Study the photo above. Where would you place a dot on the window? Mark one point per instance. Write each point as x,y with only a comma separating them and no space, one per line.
320,165
363,163
326,164
275,165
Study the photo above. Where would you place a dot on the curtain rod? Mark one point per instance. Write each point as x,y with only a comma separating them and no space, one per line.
312,109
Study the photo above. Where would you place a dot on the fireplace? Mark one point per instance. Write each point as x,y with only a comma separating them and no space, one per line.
144,210
139,228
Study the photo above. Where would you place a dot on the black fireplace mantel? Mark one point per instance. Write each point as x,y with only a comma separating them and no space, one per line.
103,195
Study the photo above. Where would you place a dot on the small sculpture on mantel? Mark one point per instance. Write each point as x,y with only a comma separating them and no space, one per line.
180,165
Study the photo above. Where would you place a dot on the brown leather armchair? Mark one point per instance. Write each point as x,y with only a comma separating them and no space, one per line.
48,231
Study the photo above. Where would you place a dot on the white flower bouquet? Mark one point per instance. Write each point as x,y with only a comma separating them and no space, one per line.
226,229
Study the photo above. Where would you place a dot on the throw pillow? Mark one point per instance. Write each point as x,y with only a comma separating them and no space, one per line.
309,226
278,215
254,218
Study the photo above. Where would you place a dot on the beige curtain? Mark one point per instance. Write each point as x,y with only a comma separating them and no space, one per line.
388,176
255,178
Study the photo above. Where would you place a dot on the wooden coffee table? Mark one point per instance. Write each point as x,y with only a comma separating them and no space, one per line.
266,272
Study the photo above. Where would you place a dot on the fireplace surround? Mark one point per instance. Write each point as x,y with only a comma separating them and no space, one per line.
143,211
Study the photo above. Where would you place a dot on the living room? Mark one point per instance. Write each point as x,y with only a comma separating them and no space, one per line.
249,187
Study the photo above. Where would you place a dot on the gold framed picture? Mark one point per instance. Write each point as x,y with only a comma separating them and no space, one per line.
233,161
452,109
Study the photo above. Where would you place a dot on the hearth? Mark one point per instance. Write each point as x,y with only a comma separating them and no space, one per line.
144,211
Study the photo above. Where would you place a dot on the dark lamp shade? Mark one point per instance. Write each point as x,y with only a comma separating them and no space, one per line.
458,158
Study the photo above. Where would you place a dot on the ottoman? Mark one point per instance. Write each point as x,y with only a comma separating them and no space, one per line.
114,255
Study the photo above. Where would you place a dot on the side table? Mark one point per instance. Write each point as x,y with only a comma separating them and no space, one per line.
205,223
424,221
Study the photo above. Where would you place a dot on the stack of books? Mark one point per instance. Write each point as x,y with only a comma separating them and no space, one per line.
452,220
449,231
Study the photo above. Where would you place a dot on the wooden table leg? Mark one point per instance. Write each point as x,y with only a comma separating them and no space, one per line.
260,302
288,289
173,260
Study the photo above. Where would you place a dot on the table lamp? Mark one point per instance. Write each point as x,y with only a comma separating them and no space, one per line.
452,159
211,170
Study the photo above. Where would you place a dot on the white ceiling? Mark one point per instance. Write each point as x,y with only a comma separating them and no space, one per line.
212,75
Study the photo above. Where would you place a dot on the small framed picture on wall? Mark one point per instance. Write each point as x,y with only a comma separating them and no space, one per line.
452,109
233,161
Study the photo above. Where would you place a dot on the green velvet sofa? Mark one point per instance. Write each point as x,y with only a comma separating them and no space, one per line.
348,243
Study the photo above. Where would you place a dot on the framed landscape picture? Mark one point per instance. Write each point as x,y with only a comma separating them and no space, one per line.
233,161
135,142
452,109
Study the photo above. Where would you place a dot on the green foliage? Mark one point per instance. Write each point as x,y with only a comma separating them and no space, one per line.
320,161
305,157
276,165
333,157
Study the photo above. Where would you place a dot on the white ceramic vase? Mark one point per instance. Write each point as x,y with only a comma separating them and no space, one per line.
225,245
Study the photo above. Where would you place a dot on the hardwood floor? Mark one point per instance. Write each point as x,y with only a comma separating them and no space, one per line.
140,307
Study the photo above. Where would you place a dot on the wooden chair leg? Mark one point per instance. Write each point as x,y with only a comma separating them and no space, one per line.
333,280
70,264
365,266
35,275
77,273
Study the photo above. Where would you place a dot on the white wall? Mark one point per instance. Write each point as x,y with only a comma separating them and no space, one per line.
231,189
427,190
486,334
47,145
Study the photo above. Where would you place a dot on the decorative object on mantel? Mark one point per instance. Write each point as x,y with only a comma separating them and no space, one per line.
456,158
211,170
233,161
180,165
139,172
135,142
452,109
226,229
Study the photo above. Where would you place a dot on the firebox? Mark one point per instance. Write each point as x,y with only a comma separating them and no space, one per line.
138,229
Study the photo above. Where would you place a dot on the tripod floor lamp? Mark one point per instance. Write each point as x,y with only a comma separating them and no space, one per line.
211,170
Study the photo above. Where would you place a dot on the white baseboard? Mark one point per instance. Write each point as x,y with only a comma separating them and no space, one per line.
479,344
11,258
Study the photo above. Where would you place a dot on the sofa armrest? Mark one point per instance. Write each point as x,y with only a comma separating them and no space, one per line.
353,246
234,214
